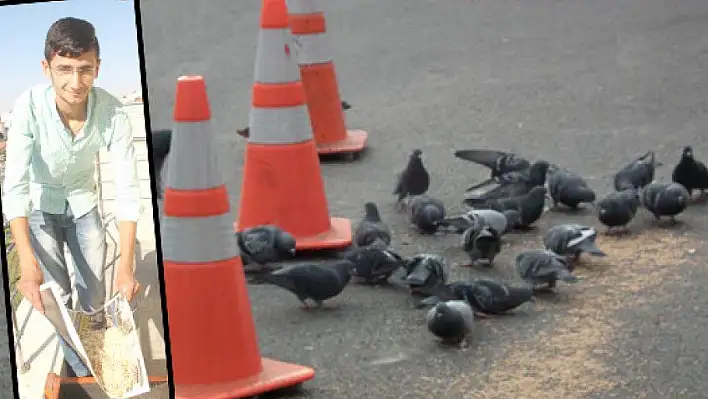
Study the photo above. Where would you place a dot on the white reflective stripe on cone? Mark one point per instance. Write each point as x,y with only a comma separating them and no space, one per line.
273,65
303,6
312,49
193,163
279,125
198,239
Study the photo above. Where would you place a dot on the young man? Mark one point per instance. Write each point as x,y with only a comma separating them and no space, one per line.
50,191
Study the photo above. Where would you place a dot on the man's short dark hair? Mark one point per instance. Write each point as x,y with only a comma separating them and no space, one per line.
70,37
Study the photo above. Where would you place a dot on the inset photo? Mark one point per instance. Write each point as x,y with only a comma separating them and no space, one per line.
84,280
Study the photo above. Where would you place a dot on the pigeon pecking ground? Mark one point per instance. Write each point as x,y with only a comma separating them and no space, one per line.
588,85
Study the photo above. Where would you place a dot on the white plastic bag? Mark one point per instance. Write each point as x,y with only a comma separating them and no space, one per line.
107,341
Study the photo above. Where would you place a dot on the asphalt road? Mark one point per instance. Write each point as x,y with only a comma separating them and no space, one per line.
588,85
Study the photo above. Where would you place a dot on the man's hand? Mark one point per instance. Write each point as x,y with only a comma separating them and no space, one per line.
126,283
30,280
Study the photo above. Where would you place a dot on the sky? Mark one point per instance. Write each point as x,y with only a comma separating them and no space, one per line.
23,29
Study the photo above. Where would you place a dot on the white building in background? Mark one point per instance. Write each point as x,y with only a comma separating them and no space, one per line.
135,96
5,120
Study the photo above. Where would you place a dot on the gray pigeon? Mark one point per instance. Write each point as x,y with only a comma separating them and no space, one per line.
570,239
372,231
452,322
263,244
540,267
637,173
690,172
665,199
374,265
486,296
161,142
426,213
424,273
315,282
529,206
481,245
568,188
501,222
618,209
492,297
413,180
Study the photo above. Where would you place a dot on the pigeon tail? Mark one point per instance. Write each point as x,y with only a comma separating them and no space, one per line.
582,194
372,212
591,248
478,203
419,276
281,280
567,277
460,224
429,301
480,185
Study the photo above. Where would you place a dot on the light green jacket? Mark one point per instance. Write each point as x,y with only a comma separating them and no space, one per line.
45,166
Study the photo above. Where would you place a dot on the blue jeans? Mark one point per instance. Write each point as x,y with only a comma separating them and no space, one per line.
86,241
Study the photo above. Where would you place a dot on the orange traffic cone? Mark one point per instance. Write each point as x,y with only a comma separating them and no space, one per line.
213,341
309,28
282,182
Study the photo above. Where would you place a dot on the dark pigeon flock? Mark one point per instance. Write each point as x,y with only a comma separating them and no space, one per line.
512,200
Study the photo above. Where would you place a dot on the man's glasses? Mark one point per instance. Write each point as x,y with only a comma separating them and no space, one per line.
84,72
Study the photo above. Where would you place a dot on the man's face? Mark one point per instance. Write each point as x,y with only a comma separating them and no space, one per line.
72,78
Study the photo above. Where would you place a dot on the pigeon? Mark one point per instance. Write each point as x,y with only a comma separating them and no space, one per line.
530,206
569,189
665,199
618,209
570,239
426,213
413,180
492,297
263,244
315,282
452,322
541,267
372,231
513,184
424,273
486,296
481,245
161,140
373,265
498,162
637,173
691,173
501,222
246,131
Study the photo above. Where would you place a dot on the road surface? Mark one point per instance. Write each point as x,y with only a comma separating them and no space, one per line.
588,85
